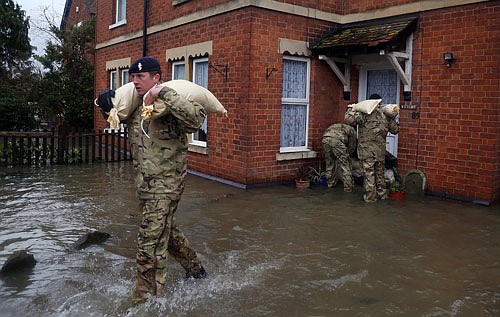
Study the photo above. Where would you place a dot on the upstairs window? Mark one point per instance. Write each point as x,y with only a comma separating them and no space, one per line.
121,10
120,13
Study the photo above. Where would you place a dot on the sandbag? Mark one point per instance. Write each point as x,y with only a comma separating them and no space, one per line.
126,100
366,106
391,110
189,90
195,92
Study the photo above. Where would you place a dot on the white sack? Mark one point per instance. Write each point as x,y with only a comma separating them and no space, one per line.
391,110
126,100
366,106
197,93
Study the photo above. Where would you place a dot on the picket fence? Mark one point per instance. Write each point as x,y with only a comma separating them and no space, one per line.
63,146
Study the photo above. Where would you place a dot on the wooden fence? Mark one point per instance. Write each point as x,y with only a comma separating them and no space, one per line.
63,147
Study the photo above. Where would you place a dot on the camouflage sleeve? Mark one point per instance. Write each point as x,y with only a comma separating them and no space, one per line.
393,126
191,114
351,145
353,117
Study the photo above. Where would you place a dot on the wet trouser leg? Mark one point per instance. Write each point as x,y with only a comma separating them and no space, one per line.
370,189
380,180
331,174
340,151
158,236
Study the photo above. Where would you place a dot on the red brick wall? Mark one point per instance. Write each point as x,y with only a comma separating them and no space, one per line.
159,10
243,147
85,8
228,142
264,103
456,140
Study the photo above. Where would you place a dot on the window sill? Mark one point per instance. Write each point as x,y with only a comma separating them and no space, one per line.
295,155
198,149
117,24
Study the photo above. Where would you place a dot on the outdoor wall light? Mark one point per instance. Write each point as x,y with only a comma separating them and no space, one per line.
448,59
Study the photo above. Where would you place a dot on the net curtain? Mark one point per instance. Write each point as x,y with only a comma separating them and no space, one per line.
294,114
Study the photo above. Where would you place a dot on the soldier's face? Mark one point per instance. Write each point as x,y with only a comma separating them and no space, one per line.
144,81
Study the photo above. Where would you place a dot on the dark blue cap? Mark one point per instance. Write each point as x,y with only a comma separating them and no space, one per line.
144,64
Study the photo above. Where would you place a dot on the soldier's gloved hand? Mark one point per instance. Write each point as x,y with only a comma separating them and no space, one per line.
104,99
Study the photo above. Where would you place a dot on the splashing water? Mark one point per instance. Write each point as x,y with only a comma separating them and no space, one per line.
272,251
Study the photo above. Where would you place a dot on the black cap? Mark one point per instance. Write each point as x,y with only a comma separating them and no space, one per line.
144,65
372,96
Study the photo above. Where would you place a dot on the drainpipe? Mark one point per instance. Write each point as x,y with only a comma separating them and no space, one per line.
145,30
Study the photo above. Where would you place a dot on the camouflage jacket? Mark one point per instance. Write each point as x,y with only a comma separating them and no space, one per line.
343,133
162,158
372,132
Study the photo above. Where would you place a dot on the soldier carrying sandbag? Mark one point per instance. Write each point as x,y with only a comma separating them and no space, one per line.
373,125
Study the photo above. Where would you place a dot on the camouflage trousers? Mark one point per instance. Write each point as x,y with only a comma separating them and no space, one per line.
336,157
159,236
374,180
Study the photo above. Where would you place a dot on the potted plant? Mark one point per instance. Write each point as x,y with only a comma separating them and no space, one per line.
302,180
397,191
317,176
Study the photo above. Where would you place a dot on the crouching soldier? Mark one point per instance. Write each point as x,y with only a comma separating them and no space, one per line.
339,142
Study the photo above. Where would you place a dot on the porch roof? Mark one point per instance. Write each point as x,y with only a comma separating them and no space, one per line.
358,36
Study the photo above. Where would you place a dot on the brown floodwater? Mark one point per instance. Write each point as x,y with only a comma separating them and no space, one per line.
270,251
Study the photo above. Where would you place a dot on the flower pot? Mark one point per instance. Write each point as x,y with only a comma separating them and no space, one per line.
302,183
397,195
323,181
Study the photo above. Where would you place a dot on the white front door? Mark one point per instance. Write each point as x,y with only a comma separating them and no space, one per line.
384,82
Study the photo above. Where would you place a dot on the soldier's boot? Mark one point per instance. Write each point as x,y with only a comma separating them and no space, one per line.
144,287
200,273
139,297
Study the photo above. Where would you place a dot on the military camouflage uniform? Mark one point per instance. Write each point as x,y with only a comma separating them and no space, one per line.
372,133
339,142
162,164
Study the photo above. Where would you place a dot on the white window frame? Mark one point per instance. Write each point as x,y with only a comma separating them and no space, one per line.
124,79
193,140
299,102
174,72
113,79
121,9
115,82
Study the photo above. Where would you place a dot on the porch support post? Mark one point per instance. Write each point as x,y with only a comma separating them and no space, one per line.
403,74
408,61
392,57
345,78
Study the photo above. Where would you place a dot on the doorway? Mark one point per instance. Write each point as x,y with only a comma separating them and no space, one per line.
384,82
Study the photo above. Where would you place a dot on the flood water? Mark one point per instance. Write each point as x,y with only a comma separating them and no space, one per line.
273,251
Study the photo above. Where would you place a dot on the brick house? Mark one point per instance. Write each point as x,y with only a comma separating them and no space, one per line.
77,11
286,70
